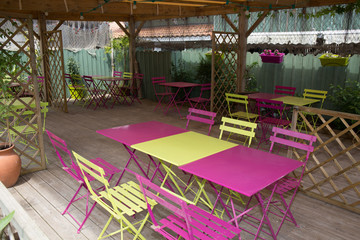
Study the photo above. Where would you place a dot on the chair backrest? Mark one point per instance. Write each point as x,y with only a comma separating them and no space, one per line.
285,90
201,116
293,139
62,151
117,74
89,169
241,100
205,88
315,94
155,81
127,75
89,82
240,127
138,77
270,110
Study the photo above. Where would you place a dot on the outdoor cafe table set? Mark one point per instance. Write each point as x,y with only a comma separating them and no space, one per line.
241,169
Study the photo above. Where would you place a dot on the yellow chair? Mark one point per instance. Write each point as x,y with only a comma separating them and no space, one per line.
242,102
239,127
121,201
313,94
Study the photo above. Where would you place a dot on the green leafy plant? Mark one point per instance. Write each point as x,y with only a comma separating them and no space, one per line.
120,46
251,82
346,98
4,222
74,71
179,72
203,74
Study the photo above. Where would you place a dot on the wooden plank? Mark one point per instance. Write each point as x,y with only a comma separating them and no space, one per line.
24,225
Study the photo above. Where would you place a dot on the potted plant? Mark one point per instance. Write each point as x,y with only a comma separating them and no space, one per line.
10,163
272,57
76,85
329,59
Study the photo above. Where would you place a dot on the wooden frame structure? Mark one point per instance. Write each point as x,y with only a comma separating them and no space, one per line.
332,173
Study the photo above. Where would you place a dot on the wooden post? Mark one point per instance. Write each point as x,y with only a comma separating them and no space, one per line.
36,90
132,43
241,62
44,56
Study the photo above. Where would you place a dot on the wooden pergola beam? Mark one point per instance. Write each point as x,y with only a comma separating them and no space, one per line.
258,21
227,19
123,28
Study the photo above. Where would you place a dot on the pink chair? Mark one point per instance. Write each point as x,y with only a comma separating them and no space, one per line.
96,94
161,95
285,90
117,74
74,171
303,145
186,221
204,99
201,116
270,114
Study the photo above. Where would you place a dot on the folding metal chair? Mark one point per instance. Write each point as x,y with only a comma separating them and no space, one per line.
302,145
117,74
313,94
239,127
270,114
285,90
240,101
161,95
203,99
133,89
186,221
76,91
121,202
201,116
70,166
96,94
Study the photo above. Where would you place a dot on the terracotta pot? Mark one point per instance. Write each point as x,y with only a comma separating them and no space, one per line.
10,166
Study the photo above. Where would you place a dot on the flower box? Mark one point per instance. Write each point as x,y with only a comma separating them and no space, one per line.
272,58
329,59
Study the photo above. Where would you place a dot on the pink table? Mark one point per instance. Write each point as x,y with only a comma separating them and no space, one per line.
246,171
113,88
136,133
186,87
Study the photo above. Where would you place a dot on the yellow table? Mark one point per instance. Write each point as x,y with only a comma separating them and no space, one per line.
180,149
296,101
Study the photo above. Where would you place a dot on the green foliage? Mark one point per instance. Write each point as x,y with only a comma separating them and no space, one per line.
121,50
334,9
251,82
203,74
74,71
179,72
347,98
5,221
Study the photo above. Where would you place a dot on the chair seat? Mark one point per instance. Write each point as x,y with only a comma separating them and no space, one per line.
243,115
276,121
199,99
128,197
285,184
203,226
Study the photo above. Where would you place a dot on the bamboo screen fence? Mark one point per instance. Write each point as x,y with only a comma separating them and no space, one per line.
333,170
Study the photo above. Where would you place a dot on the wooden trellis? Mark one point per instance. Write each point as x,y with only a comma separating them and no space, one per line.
54,64
18,34
333,170
224,69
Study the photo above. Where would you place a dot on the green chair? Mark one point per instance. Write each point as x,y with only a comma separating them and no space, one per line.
122,202
242,102
239,127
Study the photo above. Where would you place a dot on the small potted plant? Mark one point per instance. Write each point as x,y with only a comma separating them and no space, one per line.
329,59
10,163
272,57
76,85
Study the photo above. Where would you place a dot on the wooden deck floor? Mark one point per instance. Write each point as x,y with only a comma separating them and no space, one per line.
45,194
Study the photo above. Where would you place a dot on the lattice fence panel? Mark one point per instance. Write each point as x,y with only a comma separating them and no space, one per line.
333,170
54,62
23,125
224,70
